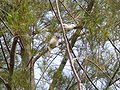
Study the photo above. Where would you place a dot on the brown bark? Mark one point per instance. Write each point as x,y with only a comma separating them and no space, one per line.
26,57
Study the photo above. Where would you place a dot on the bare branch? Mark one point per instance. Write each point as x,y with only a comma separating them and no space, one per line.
111,80
6,44
68,12
86,75
11,32
6,26
115,81
54,11
4,56
99,68
68,48
44,72
40,54
113,44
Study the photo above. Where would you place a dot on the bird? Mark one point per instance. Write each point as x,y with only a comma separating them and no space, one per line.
70,27
53,42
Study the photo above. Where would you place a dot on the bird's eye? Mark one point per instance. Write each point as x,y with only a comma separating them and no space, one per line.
64,26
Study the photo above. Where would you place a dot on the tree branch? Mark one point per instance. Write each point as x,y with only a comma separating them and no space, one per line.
54,11
75,36
44,72
11,32
12,55
6,44
111,80
113,44
5,12
99,68
68,11
4,56
68,48
115,81
6,26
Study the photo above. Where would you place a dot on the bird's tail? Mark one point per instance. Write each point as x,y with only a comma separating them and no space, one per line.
78,27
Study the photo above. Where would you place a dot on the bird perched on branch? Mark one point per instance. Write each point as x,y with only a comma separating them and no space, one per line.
53,42
70,27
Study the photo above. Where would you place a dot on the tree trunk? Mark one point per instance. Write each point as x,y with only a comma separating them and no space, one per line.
26,57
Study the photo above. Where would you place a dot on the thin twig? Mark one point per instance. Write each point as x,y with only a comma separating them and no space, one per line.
68,86
116,71
5,83
4,55
115,81
83,8
7,26
68,48
6,43
54,11
86,73
44,72
6,12
11,32
113,44
75,55
99,68
68,12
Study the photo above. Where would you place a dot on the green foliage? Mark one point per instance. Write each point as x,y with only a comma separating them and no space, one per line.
22,16
19,79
